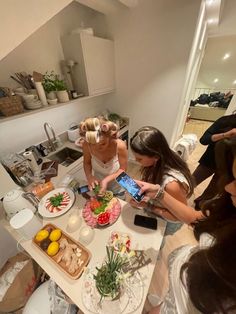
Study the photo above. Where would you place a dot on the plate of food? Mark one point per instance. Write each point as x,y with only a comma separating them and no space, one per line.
56,203
101,211
127,302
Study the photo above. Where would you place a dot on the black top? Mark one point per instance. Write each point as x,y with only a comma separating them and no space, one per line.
221,125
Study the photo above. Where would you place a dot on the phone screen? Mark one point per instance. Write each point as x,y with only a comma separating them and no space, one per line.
130,186
83,189
146,222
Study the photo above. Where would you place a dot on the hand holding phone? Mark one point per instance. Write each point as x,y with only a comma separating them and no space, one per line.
130,186
83,189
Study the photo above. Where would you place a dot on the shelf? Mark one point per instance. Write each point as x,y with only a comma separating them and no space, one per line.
49,107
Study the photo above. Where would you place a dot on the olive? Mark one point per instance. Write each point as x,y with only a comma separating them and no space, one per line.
45,243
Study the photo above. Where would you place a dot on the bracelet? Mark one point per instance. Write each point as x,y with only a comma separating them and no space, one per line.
160,194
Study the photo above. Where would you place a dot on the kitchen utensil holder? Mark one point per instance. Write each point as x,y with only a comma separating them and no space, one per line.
10,105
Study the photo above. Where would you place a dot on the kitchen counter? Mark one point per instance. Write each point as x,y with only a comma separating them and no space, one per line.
141,239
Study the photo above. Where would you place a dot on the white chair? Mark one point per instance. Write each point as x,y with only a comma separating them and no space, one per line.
38,303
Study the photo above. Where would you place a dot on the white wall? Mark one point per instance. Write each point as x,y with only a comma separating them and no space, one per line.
21,18
152,46
42,51
17,134
227,24
232,106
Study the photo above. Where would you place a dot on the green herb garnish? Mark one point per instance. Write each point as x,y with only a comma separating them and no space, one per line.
96,190
56,200
107,277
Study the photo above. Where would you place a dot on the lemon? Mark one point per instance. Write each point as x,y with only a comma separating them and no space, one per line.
41,235
55,235
53,248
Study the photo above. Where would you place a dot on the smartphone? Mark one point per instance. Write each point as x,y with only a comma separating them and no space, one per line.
146,222
130,186
83,189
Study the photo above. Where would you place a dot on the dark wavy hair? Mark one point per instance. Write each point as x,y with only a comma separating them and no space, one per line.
149,141
211,273
220,210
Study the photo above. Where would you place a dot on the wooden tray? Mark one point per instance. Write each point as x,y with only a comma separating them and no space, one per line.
85,254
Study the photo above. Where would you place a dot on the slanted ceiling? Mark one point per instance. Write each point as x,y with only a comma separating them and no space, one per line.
20,19
108,6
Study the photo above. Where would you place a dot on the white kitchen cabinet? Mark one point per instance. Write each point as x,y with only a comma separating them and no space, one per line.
78,173
94,74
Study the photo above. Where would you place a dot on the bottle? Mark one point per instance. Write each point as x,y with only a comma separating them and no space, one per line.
42,189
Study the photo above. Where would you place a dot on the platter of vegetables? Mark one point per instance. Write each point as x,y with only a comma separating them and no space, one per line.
101,211
56,202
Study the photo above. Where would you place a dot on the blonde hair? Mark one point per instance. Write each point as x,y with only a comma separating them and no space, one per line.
92,129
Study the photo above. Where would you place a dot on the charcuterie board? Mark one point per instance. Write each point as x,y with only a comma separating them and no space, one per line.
97,213
68,255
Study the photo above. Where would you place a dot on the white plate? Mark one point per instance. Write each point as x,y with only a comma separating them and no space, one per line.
129,301
46,213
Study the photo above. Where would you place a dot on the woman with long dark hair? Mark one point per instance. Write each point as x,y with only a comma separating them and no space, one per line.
203,279
160,165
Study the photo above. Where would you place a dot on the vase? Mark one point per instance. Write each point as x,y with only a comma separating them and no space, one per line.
41,93
62,96
51,95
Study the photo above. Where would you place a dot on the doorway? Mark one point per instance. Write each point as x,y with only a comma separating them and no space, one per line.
196,56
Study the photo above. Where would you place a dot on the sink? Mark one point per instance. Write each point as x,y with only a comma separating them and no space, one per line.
66,156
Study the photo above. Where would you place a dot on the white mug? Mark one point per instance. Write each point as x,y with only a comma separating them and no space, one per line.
30,98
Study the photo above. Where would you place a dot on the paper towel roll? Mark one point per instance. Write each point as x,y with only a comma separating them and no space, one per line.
32,161
41,93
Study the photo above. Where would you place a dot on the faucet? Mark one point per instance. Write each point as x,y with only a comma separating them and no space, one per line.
50,141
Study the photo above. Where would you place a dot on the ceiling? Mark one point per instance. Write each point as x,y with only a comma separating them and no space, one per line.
214,66
216,71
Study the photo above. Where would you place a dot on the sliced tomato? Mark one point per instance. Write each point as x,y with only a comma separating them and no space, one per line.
94,204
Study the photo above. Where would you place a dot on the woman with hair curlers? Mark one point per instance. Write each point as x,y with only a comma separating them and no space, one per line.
105,156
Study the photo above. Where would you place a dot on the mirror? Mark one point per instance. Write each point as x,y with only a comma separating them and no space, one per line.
216,82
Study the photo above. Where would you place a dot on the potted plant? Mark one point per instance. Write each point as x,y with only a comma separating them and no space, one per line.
110,275
49,86
55,87
61,89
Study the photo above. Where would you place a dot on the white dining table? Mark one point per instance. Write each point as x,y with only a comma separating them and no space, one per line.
141,239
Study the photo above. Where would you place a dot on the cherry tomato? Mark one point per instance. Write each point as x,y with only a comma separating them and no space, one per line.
103,218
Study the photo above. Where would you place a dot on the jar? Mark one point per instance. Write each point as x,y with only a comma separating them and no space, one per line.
42,189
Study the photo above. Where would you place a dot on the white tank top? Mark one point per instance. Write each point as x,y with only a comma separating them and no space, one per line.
101,170
107,168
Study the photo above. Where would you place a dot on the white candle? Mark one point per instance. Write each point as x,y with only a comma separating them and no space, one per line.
86,234
73,223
